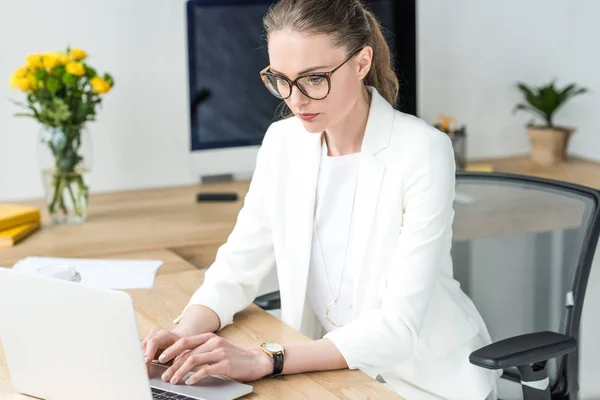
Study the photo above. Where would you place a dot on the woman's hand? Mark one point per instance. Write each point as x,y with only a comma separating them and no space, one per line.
157,340
215,356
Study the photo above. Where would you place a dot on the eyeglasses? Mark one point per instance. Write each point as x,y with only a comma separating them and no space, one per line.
316,85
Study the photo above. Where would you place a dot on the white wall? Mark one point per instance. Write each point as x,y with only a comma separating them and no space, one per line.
472,52
470,55
141,134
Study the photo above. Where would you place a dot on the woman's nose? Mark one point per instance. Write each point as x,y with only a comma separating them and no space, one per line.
297,99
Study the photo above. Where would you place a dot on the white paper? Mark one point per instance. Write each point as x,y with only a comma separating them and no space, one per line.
105,274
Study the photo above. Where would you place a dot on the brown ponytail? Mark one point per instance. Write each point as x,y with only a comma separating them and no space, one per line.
352,27
381,76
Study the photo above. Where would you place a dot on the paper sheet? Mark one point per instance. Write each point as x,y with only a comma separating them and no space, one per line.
105,274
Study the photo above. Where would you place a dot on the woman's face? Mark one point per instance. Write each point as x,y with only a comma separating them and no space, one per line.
293,54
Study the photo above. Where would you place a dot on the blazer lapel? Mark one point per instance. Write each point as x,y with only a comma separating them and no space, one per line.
370,177
303,176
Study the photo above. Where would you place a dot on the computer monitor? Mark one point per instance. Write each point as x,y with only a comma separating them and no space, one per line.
230,109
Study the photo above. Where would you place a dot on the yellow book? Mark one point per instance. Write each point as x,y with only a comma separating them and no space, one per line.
12,236
12,215
480,167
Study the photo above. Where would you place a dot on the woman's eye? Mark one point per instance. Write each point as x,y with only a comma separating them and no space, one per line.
316,80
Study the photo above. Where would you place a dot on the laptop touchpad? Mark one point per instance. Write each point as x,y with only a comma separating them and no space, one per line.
208,388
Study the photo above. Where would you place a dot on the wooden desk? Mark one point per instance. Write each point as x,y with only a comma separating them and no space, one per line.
175,283
576,170
166,218
168,224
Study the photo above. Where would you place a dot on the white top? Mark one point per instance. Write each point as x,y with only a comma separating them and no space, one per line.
335,195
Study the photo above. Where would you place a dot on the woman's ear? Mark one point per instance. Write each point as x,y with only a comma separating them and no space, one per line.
365,59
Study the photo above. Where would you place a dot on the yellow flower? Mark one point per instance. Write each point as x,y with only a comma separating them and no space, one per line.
14,79
99,85
50,60
75,68
21,72
22,79
34,60
78,54
63,58
22,82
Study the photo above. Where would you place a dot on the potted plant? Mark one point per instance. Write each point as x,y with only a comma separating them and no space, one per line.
62,93
548,141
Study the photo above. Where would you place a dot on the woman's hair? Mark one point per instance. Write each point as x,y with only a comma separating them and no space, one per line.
350,25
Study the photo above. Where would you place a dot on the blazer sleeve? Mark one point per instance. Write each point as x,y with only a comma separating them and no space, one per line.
388,336
232,281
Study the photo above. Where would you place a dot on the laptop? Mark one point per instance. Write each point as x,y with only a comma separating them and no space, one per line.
66,341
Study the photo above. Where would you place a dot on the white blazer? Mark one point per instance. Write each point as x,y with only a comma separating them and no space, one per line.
411,322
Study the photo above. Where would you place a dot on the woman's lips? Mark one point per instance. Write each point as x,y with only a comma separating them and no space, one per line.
308,117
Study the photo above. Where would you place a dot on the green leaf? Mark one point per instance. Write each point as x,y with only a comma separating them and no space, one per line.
548,100
527,92
571,93
58,71
40,74
42,96
530,96
530,109
90,72
524,89
564,94
18,103
53,84
70,80
109,79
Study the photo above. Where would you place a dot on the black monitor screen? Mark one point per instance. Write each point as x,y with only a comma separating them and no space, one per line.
229,105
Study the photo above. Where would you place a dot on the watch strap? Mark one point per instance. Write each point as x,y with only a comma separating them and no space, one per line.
277,365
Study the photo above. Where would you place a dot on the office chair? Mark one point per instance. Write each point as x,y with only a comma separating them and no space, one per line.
523,249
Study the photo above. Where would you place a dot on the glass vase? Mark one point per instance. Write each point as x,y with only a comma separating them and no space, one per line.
64,157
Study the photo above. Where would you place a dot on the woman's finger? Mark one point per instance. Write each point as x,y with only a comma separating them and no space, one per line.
186,343
176,359
177,363
150,335
219,368
153,345
196,360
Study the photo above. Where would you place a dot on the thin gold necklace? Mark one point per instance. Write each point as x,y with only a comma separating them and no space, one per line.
333,304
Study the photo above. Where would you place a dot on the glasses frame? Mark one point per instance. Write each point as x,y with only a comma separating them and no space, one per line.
327,75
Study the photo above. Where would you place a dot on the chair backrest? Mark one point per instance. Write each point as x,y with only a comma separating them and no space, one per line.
523,248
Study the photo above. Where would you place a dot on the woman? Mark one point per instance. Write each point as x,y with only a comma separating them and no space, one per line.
352,201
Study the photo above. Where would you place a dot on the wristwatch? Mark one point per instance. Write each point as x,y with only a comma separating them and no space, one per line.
276,351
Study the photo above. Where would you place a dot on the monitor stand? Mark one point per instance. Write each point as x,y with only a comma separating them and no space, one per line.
216,178
216,196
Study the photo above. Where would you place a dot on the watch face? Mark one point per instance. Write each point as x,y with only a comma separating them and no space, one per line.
273,347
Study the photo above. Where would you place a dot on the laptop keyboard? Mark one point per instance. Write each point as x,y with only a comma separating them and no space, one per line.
158,394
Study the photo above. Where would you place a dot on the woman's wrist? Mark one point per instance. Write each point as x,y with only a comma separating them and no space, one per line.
183,331
196,320
264,362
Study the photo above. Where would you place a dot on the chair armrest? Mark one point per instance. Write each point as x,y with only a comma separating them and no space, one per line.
523,350
269,301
